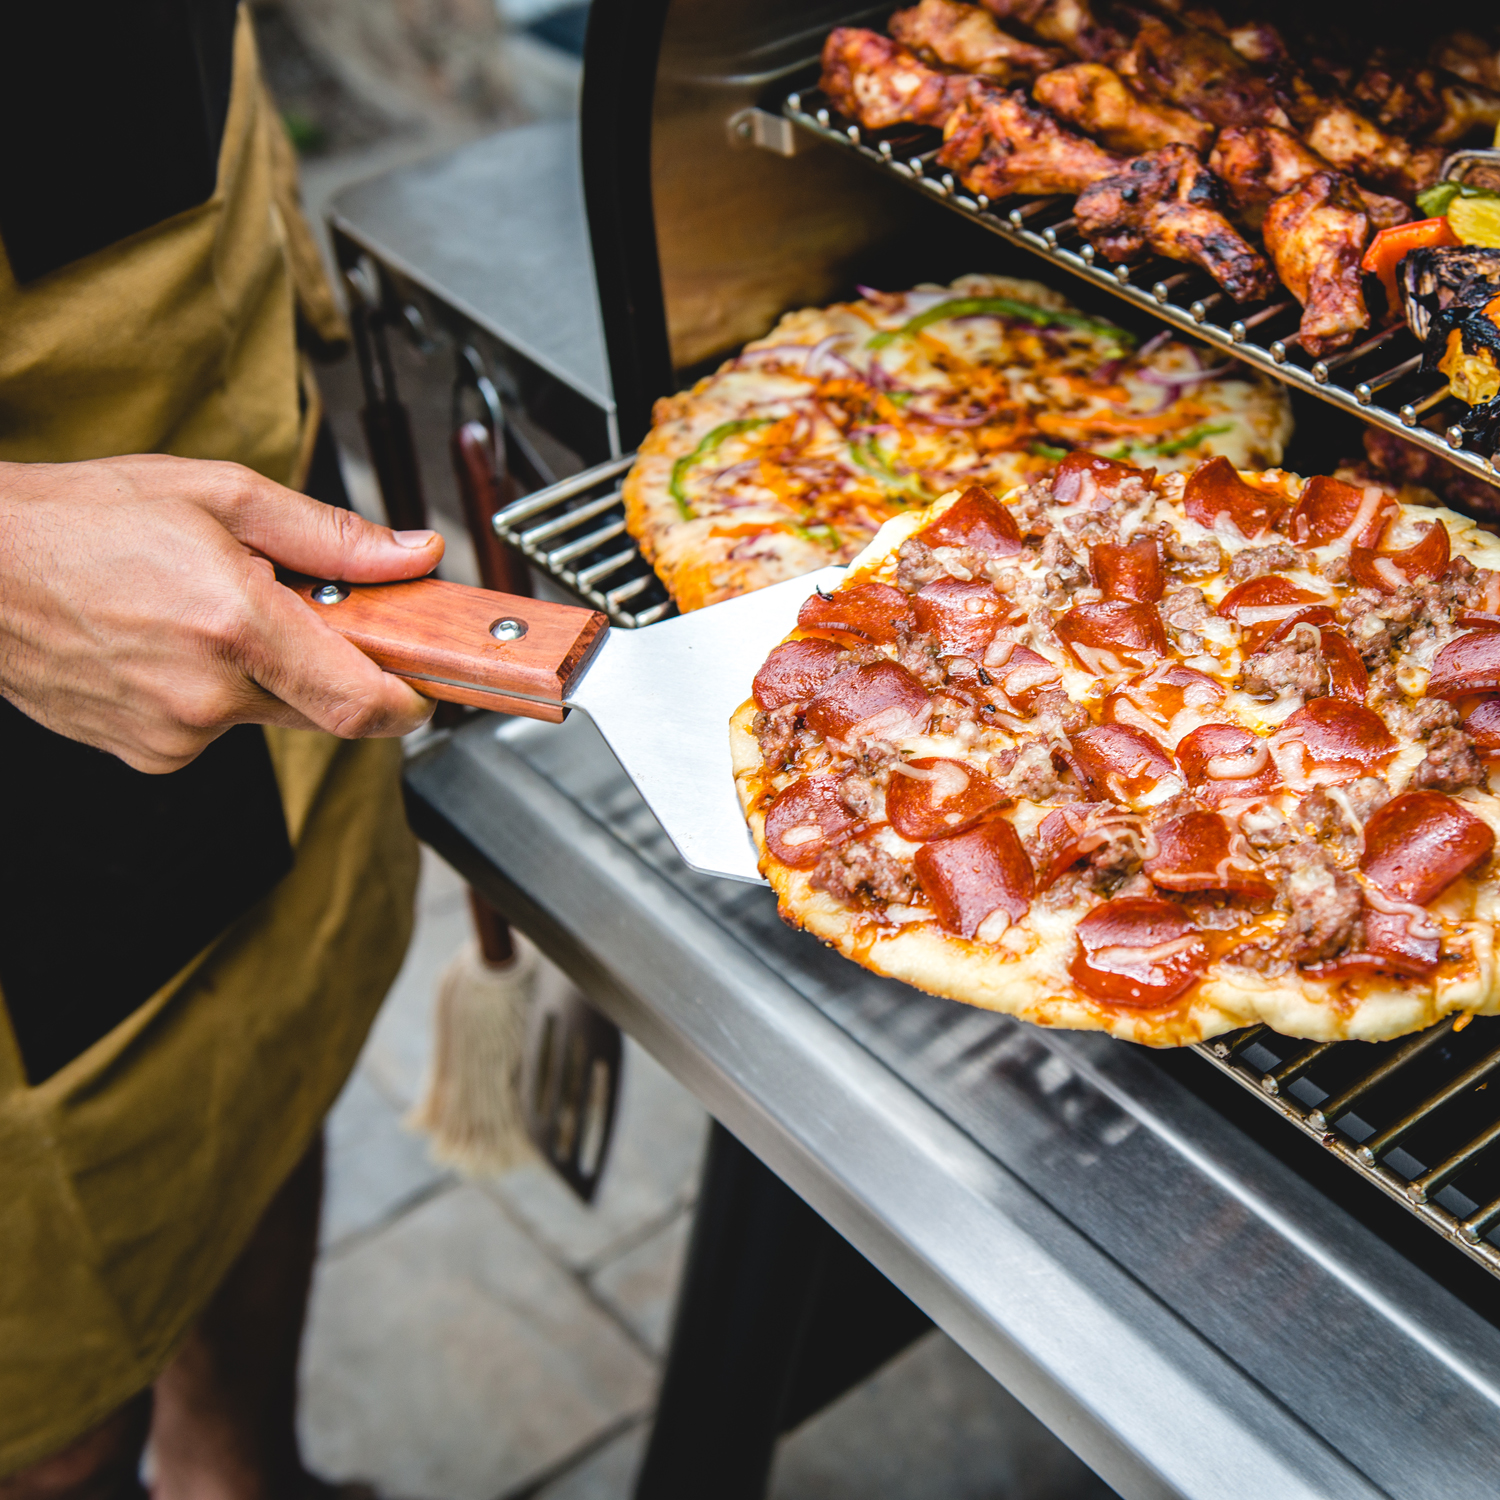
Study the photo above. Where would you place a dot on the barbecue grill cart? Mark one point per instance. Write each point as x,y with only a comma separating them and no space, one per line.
1256,1268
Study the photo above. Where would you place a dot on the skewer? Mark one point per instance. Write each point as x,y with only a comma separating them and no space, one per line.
1282,347
1063,226
1199,309
1019,216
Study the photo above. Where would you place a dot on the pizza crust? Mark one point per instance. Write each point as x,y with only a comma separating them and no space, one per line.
1025,974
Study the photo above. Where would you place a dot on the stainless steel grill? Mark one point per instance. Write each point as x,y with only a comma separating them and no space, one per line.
1377,380
574,531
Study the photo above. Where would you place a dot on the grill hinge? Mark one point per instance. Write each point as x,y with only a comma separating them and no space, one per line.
759,127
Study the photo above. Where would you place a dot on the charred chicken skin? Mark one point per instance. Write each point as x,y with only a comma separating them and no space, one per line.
1261,162
966,38
1316,234
1001,143
1199,72
1170,201
879,82
1066,23
1096,99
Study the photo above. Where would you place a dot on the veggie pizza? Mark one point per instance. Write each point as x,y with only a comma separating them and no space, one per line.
793,454
1160,754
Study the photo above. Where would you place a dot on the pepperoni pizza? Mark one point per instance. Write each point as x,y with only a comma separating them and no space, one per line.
792,454
1158,754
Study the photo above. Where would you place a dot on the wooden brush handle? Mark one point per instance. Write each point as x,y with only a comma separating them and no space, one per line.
438,637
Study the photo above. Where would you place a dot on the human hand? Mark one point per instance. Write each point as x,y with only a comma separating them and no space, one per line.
140,612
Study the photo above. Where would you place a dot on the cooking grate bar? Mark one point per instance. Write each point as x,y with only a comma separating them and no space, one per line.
1333,1110
1184,298
1377,1146
1457,1195
558,530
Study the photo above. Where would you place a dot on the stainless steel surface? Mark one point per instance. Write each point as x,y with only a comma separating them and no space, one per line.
662,698
487,249
1413,1117
571,530
1186,1312
1186,299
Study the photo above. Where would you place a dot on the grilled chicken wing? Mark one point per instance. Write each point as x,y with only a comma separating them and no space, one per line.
1170,201
1316,234
1401,99
1000,143
1199,72
1261,162
1068,23
1469,56
877,82
966,37
1096,99
1348,141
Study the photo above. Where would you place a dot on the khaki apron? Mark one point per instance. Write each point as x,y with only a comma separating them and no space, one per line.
132,1178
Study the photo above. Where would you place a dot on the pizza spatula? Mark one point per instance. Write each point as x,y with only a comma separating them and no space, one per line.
661,696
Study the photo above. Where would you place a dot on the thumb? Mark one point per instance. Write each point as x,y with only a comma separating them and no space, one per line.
307,536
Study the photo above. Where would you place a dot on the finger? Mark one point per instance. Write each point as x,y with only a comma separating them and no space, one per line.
309,537
311,669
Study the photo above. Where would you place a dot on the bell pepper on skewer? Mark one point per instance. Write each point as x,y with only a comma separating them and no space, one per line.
1390,246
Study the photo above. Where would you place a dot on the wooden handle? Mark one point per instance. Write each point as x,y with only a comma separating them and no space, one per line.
450,642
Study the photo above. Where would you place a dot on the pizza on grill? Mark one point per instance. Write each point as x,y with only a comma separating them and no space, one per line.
1159,754
794,453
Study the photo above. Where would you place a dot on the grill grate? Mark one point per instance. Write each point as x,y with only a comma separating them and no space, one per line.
1377,380
574,531
1413,1116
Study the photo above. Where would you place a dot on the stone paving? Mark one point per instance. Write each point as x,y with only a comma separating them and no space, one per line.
500,1341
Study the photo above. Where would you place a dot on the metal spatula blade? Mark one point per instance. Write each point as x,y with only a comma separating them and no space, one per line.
662,697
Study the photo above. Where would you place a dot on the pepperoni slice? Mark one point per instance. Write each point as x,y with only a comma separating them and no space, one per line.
1153,700
1390,571
976,519
1118,762
1332,511
963,616
1128,572
869,611
1112,637
883,699
803,818
1024,675
1223,763
1215,489
1260,606
976,874
1199,851
1069,832
1419,843
1470,664
1080,476
1137,951
932,798
1340,740
794,671
1483,727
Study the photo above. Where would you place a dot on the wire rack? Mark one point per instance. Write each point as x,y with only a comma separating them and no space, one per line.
574,531
1416,1117
1378,379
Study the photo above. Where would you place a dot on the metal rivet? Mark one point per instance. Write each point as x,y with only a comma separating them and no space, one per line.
1320,373
1237,331
1455,436
1408,415
329,593
508,629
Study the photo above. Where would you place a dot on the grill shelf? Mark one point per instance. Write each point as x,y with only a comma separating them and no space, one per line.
1376,380
574,531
